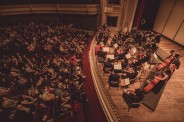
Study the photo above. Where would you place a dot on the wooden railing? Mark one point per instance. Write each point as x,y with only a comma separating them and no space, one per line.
85,9
109,110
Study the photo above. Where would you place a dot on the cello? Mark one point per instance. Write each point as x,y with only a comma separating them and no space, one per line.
153,83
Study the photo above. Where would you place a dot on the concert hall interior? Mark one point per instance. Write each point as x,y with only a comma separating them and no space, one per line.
91,60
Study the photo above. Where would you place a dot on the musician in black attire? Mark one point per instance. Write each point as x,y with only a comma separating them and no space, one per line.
113,78
172,54
101,53
175,59
135,63
157,38
124,63
133,95
146,58
108,66
129,73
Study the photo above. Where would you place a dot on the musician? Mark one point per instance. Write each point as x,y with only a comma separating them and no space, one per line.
108,66
122,52
145,57
100,53
133,95
174,58
157,38
106,36
124,63
113,77
151,45
130,73
172,54
177,61
135,63
164,75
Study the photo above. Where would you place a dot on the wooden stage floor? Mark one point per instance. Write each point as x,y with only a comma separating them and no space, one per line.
171,104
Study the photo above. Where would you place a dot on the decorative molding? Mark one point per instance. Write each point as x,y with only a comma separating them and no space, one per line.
112,9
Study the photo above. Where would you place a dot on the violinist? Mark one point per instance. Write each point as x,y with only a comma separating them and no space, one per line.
135,63
130,73
146,57
124,63
122,52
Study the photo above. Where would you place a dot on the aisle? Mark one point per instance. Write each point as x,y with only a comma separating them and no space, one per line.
94,111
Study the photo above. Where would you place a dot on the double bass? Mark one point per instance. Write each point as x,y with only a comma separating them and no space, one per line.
165,63
152,83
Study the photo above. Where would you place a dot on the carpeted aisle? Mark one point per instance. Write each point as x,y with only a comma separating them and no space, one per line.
94,111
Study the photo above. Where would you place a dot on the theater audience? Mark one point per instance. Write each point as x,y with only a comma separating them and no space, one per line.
39,65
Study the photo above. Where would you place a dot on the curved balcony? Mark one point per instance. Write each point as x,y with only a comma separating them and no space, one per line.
85,9
104,98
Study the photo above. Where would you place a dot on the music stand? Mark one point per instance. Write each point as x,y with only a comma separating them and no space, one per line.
146,67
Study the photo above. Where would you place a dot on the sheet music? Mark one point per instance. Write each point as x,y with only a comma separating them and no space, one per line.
146,66
155,55
110,56
127,81
128,56
117,66
134,50
106,49
115,45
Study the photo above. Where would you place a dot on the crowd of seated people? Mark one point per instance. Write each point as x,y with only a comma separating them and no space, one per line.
40,71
